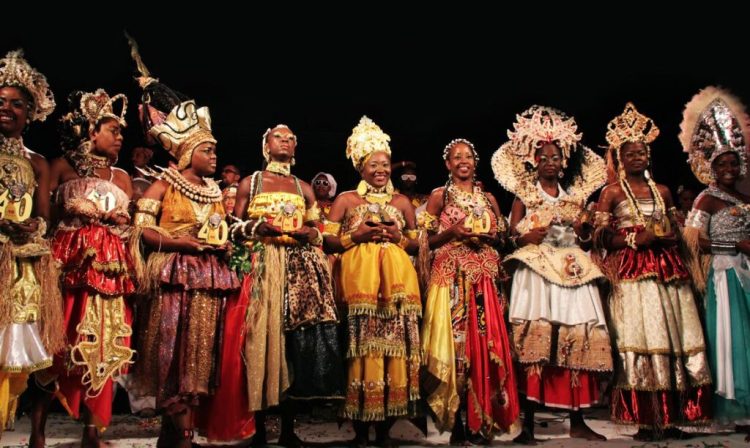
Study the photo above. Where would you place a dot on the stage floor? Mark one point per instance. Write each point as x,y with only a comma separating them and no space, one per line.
131,432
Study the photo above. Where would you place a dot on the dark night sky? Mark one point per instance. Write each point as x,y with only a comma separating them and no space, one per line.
424,85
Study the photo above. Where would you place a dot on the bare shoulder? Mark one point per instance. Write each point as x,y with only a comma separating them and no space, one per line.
120,173
156,190
402,202
438,191
38,161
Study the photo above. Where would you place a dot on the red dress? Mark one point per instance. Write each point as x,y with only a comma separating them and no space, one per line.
96,280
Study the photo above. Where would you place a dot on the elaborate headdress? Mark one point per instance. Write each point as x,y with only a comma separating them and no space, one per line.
533,128
16,72
87,109
539,125
98,105
169,118
366,138
714,122
633,127
629,127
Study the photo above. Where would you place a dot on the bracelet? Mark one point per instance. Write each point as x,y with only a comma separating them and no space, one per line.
513,240
403,242
723,248
318,240
630,240
254,229
347,242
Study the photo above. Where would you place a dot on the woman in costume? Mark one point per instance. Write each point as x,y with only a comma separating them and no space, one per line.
559,327
292,343
715,134
90,243
191,288
30,309
464,340
374,229
662,377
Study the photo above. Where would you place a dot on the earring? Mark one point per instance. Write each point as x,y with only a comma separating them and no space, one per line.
560,174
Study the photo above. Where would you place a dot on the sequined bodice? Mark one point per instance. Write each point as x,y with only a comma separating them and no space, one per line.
732,223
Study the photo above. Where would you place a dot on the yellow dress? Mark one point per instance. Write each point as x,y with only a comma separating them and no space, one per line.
381,293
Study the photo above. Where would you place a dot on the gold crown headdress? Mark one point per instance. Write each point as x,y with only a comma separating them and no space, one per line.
99,105
366,139
186,127
631,127
16,72
714,122
539,125
264,142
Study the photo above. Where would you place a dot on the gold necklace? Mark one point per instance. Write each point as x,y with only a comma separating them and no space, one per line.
282,168
635,209
12,146
373,195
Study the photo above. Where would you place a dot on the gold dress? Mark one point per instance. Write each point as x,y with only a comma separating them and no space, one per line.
30,311
381,294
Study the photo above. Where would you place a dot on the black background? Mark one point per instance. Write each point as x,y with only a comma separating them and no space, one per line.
425,76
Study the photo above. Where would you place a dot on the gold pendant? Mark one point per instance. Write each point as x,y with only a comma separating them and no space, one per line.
660,224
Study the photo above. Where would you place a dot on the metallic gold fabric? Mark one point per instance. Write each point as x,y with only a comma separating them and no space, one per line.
653,323
146,212
179,213
332,228
313,213
200,340
439,348
25,292
100,348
